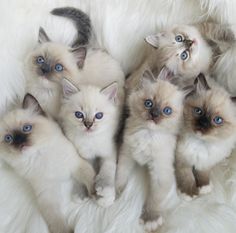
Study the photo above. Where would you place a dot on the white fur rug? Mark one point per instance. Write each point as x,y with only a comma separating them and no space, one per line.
120,27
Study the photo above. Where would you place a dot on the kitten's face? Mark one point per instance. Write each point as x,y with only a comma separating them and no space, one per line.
157,105
89,109
210,114
23,130
183,50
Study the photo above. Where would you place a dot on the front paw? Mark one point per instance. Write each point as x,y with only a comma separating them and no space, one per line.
205,189
151,225
105,195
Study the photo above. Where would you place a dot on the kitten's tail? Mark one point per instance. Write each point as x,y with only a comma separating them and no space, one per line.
81,21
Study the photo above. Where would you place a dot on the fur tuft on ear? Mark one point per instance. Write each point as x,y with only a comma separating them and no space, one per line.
42,37
80,55
68,88
200,82
111,91
31,102
152,40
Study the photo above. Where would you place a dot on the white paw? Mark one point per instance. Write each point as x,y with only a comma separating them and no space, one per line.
153,225
205,189
186,197
106,196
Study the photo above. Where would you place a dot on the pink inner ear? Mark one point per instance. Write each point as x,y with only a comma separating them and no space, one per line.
110,91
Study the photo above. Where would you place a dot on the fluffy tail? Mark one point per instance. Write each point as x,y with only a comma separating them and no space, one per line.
81,21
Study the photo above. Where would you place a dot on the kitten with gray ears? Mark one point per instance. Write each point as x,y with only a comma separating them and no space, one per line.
149,141
35,147
207,136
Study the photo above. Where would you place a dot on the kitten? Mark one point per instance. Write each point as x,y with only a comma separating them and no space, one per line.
207,137
150,139
81,21
89,117
186,50
35,147
46,66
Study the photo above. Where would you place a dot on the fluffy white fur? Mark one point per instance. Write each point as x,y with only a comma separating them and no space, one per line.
115,23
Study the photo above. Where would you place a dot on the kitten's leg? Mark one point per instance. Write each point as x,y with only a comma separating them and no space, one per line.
124,169
203,181
185,178
105,181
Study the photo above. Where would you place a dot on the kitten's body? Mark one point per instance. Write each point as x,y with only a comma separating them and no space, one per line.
199,149
151,144
47,160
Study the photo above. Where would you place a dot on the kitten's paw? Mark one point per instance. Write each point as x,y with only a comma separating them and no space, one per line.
151,225
205,189
186,197
105,196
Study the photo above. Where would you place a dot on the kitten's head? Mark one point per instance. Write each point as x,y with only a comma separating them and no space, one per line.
50,62
89,109
183,50
157,104
25,129
209,112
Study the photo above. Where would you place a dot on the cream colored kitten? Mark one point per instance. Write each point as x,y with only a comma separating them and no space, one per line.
149,141
186,50
90,118
207,137
37,150
46,66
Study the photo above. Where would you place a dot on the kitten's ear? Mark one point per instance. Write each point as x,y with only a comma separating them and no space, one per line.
111,91
233,98
152,40
31,102
200,83
147,78
80,55
68,88
165,74
42,37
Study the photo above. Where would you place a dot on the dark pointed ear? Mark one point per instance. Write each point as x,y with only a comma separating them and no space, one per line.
147,78
111,91
152,40
200,83
233,98
30,102
42,37
80,55
165,74
68,88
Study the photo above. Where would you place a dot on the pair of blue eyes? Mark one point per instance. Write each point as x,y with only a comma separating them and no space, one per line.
58,67
185,54
80,115
9,138
217,120
149,104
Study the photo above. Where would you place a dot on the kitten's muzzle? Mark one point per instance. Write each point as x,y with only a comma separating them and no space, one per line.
45,68
88,124
155,112
203,123
20,139
188,43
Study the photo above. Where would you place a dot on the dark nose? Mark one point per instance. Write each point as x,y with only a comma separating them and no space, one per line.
188,43
204,122
19,139
154,112
45,68
88,124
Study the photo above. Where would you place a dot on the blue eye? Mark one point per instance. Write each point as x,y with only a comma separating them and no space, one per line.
218,120
198,111
148,103
99,115
79,114
27,128
167,110
179,38
8,138
59,67
40,60
184,55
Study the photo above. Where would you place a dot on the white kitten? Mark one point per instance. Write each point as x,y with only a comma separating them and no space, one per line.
36,149
150,139
207,137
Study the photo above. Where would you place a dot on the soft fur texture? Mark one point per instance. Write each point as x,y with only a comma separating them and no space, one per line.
30,146
207,137
120,27
150,139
